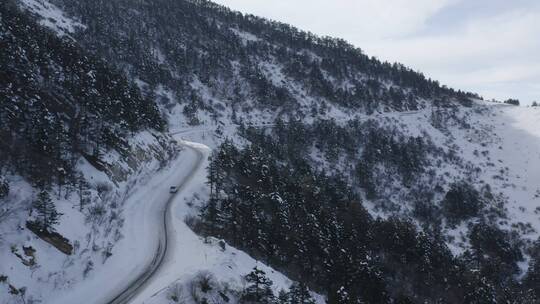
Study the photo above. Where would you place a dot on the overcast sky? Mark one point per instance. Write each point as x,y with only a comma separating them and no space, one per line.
491,47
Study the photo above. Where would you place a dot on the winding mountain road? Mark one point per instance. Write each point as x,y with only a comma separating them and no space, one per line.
165,236
166,232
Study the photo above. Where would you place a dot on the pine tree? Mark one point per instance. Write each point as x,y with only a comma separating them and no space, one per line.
211,216
259,290
47,215
299,294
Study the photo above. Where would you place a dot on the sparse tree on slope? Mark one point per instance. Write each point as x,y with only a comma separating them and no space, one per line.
47,215
299,294
259,290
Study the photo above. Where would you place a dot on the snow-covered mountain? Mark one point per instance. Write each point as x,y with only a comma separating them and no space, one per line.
300,156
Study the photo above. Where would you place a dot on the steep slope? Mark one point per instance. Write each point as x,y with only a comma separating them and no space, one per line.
105,140
58,103
423,205
210,63
490,147
76,137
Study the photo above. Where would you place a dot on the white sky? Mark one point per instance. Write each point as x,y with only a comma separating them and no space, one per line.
491,47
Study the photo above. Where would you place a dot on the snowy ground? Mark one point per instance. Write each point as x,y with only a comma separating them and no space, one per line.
519,132
505,144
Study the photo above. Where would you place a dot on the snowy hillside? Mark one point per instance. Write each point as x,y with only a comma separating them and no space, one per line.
303,170
499,147
93,230
495,151
517,169
77,140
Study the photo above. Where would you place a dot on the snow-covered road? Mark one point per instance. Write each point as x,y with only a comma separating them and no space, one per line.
144,250
164,250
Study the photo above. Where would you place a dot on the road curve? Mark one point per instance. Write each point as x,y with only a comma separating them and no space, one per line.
138,284
144,278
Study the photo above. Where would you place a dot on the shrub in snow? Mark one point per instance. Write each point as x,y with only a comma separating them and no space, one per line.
461,202
495,251
4,188
176,293
96,214
201,287
89,267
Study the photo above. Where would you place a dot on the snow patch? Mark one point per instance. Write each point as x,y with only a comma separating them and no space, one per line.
52,17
